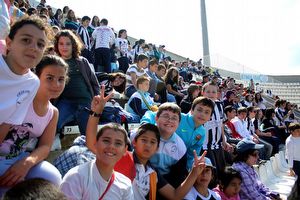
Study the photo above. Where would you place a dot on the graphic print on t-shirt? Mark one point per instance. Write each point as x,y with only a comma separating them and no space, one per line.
15,141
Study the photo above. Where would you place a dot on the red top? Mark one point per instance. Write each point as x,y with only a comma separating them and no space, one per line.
126,166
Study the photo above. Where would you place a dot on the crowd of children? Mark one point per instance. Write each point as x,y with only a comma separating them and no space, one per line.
198,150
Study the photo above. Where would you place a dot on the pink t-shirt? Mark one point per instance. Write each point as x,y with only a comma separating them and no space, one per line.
19,136
223,196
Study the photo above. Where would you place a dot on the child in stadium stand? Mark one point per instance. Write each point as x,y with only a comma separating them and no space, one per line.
215,141
40,122
229,185
141,101
292,146
135,71
26,43
200,191
83,84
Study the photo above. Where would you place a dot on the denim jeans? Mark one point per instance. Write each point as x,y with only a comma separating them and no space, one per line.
71,111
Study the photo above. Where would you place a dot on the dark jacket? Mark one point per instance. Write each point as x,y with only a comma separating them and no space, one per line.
88,73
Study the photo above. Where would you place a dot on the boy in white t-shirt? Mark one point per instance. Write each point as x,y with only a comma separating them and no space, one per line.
97,179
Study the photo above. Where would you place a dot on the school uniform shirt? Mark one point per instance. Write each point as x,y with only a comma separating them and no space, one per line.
213,135
85,182
136,104
192,137
292,145
141,182
104,36
17,92
169,153
195,195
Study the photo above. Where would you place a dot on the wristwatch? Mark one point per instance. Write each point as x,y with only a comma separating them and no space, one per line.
92,113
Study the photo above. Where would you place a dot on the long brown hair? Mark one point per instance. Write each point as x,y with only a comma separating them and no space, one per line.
76,43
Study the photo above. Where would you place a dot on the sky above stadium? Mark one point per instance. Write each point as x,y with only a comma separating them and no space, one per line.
251,36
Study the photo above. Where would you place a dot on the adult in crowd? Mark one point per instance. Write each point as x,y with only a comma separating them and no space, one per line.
251,188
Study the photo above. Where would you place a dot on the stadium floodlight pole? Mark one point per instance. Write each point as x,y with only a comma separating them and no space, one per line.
206,55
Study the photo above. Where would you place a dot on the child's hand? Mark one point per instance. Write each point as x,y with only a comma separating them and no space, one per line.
199,163
227,147
15,174
99,101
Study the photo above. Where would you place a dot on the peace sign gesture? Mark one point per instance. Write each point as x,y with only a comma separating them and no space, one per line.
100,100
199,163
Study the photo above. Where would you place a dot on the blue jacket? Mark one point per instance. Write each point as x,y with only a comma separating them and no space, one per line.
192,137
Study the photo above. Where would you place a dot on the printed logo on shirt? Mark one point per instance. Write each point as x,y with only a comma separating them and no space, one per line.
198,137
22,95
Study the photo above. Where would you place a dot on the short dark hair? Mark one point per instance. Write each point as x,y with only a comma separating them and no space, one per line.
153,62
104,21
192,88
161,66
31,20
85,18
148,127
242,110
35,188
142,57
229,109
205,102
243,156
228,175
115,127
169,107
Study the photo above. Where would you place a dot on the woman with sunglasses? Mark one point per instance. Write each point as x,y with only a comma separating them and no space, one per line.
251,188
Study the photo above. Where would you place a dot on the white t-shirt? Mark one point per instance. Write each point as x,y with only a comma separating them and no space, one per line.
85,182
122,44
16,94
104,36
193,194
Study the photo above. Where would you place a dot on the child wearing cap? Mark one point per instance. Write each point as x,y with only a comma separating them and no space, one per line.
200,190
292,150
251,188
